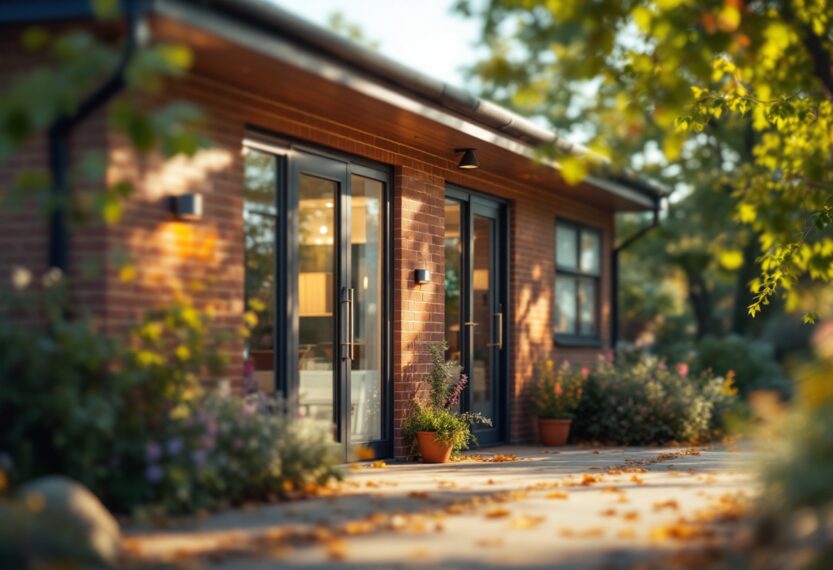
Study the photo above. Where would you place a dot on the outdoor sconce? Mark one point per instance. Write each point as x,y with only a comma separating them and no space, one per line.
469,160
422,276
186,206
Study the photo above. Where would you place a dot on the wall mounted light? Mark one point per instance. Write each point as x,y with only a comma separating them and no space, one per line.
422,276
469,160
186,206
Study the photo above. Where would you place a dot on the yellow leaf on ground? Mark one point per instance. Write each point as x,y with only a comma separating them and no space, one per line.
670,504
497,513
527,522
557,495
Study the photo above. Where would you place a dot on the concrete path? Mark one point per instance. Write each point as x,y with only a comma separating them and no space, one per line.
572,508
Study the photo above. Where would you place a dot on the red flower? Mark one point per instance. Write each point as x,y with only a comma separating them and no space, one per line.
682,368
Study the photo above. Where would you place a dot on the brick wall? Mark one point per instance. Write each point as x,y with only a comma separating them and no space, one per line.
204,259
24,236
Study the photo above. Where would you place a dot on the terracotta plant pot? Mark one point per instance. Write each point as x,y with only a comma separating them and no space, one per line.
433,451
554,433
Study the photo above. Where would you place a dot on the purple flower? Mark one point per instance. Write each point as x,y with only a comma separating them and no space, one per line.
454,397
199,457
152,451
174,445
154,473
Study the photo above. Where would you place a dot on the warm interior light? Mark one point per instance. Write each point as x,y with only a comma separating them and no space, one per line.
323,230
469,160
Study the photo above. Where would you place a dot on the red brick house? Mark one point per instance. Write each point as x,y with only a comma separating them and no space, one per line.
336,197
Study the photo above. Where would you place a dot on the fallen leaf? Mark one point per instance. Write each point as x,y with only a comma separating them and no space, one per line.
336,549
527,522
637,479
631,516
608,513
587,479
626,533
557,495
670,504
497,513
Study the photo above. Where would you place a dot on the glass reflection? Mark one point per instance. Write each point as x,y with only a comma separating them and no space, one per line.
259,231
453,276
316,268
366,280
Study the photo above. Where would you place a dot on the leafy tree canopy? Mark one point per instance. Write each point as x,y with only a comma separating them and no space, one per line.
737,93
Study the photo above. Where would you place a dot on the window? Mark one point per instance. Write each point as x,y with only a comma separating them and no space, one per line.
577,270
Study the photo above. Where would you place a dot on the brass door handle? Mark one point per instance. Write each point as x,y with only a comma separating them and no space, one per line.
470,324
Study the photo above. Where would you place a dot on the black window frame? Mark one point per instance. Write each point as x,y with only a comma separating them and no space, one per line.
577,339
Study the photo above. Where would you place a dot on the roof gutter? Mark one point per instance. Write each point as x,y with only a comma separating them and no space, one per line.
614,294
267,16
61,130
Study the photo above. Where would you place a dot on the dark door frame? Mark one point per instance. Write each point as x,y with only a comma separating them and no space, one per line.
294,157
472,200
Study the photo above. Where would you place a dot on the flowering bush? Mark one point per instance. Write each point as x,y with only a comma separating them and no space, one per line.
438,413
647,402
557,392
131,420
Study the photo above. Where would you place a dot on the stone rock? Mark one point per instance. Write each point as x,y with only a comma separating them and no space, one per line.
64,523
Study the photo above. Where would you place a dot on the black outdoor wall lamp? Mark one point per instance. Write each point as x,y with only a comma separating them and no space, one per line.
469,160
422,276
186,206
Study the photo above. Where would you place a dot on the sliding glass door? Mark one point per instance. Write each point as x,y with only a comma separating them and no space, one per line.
315,270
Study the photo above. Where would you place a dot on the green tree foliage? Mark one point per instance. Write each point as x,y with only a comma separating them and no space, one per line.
741,92
76,63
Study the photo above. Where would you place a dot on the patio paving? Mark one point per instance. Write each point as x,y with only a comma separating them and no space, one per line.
544,508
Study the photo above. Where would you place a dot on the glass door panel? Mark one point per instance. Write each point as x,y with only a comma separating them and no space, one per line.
366,255
453,280
316,291
483,303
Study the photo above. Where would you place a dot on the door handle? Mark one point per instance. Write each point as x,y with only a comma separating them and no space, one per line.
348,347
499,315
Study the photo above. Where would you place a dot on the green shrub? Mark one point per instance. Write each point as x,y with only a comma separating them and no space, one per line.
752,361
648,402
438,413
131,420
557,393
794,516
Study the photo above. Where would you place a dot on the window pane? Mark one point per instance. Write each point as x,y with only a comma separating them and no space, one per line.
565,305
453,276
316,268
587,307
259,184
565,247
590,252
367,253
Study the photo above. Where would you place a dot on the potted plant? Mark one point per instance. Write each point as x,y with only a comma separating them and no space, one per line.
556,395
435,425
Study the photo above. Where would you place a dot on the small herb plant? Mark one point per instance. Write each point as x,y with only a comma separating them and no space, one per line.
557,393
438,412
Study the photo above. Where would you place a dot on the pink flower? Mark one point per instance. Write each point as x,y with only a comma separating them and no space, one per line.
585,372
682,368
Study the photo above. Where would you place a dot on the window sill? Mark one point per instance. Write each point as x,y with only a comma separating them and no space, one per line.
577,341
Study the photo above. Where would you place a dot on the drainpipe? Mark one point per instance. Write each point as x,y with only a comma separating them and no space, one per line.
59,134
614,311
